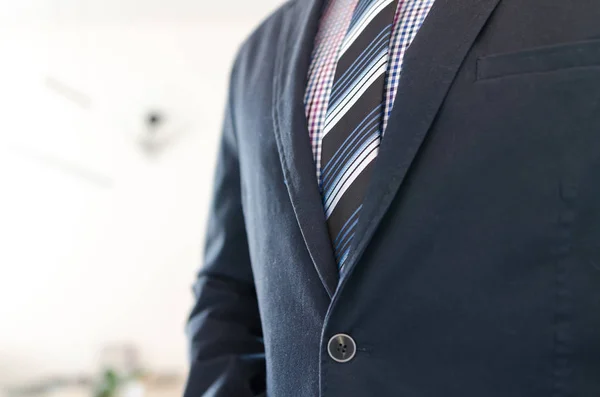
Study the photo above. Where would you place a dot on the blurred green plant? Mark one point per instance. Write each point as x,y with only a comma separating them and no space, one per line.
110,383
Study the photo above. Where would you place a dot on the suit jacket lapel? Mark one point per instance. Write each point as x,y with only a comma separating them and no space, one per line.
430,66
291,131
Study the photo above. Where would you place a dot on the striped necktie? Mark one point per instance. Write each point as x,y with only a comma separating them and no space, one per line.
353,123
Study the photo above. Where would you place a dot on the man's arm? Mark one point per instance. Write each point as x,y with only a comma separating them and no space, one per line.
224,329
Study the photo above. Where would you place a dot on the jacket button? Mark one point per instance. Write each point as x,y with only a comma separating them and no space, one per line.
341,348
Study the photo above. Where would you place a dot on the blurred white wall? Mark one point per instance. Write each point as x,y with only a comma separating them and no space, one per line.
100,243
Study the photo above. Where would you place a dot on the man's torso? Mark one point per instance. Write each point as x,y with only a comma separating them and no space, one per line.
478,267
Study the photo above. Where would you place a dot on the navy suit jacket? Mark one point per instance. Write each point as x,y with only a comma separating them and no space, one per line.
475,270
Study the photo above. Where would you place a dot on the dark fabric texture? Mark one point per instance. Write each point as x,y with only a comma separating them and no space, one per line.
476,262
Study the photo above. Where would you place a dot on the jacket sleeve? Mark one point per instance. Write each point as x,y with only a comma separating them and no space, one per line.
224,328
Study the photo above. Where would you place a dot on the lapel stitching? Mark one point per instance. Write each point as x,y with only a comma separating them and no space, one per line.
291,133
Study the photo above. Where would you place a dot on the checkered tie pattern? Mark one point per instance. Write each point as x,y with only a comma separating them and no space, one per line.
352,83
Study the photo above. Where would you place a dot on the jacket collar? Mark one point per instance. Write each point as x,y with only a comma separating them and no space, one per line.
291,131
429,68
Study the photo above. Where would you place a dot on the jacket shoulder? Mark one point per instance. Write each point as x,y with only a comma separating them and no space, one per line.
258,50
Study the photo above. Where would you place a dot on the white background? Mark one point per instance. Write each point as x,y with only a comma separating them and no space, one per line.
99,243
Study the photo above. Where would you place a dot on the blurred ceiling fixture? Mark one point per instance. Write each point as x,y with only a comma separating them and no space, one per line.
157,134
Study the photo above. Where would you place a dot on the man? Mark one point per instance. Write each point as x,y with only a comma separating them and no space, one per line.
426,233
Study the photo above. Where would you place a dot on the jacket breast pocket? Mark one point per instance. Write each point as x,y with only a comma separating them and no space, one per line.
553,58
